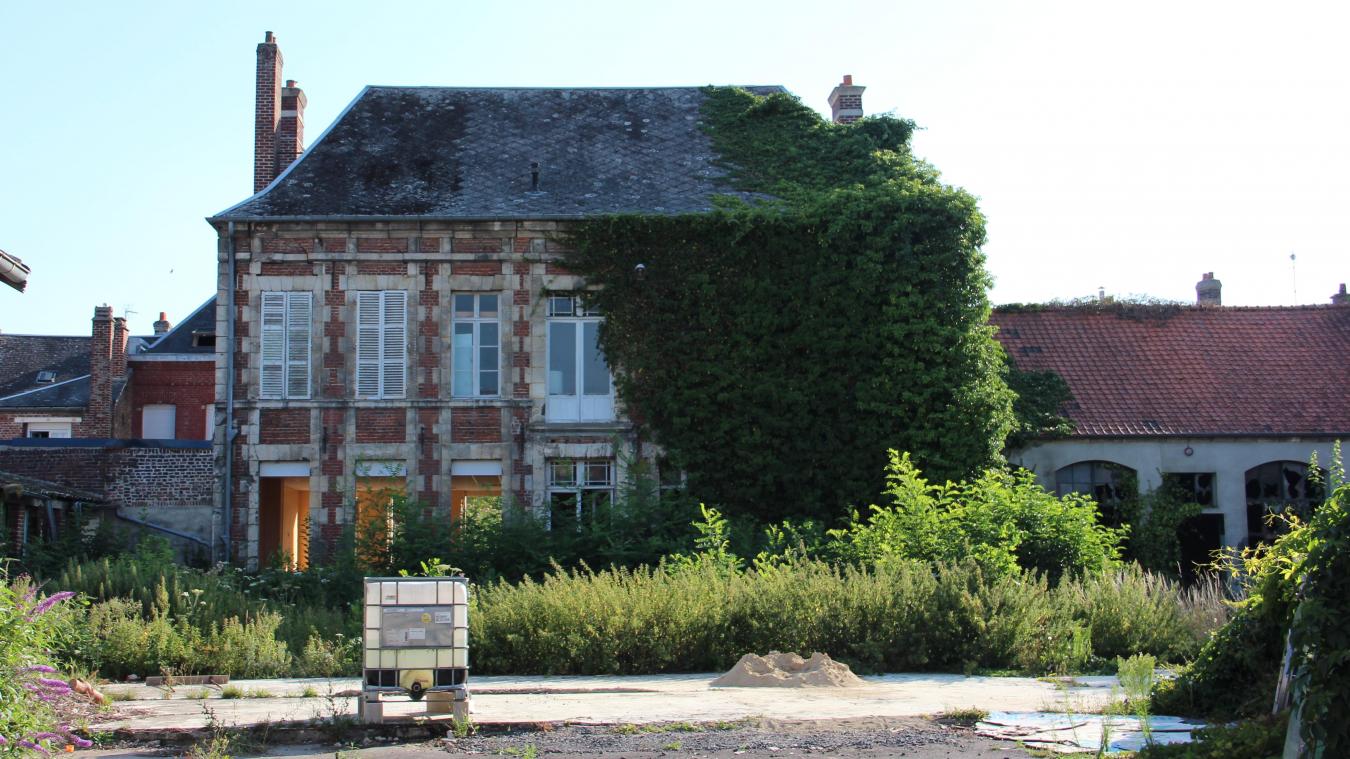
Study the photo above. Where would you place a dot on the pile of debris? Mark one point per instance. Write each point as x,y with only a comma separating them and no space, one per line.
780,670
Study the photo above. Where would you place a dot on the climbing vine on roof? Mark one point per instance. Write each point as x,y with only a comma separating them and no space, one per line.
778,346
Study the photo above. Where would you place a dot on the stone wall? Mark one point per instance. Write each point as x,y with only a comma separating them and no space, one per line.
128,476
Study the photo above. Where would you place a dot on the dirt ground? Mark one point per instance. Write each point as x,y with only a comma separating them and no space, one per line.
751,739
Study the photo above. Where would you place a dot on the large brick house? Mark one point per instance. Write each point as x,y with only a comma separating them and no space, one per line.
398,310
1227,403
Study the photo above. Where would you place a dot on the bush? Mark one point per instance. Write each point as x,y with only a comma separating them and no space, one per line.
1002,519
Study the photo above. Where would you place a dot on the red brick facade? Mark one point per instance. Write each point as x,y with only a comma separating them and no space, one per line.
189,386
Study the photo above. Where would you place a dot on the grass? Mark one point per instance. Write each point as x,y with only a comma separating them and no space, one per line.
259,692
232,691
967,716
673,746
309,692
199,694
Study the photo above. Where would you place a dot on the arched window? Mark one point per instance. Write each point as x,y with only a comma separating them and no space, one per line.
1279,487
1106,482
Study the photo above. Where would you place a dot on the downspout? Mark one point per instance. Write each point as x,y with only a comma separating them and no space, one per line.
227,501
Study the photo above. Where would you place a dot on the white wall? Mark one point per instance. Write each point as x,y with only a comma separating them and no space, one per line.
1229,459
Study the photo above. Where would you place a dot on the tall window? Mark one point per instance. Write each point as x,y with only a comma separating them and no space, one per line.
1278,487
381,343
286,319
579,490
477,346
579,386
47,429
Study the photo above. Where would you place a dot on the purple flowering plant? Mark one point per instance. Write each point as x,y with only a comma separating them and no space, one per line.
31,694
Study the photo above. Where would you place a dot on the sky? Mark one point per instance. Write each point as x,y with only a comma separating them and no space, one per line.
1124,146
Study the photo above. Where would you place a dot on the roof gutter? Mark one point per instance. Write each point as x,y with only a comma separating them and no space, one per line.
13,272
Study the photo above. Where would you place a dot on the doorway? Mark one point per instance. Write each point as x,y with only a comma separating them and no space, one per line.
283,521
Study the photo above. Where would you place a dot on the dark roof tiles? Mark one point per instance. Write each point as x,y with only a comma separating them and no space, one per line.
23,356
1154,371
443,152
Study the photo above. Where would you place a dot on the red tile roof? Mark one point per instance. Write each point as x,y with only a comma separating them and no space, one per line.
1185,370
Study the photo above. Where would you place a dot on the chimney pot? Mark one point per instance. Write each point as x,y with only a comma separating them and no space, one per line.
1341,298
1208,291
290,82
848,80
268,38
162,326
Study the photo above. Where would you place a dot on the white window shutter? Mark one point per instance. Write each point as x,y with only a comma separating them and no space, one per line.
394,351
368,344
298,319
272,381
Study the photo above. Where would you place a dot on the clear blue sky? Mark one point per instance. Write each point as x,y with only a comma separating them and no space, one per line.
1130,146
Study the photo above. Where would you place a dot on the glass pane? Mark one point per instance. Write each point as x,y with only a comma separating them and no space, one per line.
562,359
560,305
595,372
487,383
487,334
562,473
463,306
598,473
462,359
487,305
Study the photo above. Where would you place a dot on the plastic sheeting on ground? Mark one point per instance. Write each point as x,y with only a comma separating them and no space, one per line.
1070,733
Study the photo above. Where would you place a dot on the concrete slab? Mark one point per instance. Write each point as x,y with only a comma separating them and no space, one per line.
604,700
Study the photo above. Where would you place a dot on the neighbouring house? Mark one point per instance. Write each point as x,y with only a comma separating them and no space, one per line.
398,309
116,420
33,509
1228,404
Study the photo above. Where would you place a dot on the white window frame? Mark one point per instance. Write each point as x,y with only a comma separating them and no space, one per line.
287,320
381,344
472,385
579,406
48,429
172,418
581,483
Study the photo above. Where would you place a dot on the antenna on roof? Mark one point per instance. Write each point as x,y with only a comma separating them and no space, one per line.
127,313
1293,275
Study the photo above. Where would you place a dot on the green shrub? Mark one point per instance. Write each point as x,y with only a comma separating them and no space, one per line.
1250,739
1002,519
325,656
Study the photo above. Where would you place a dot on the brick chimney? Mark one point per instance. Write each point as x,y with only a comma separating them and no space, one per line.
98,414
1207,290
279,117
163,324
119,348
1340,298
846,101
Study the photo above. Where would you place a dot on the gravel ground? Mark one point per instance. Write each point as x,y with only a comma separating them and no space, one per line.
870,737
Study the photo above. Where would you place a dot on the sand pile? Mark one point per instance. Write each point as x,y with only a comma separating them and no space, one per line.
779,670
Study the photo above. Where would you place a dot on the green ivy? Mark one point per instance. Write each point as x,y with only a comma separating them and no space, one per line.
1038,406
778,347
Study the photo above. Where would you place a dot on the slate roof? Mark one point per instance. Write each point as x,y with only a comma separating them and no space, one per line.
45,488
71,394
180,338
1167,371
466,153
23,356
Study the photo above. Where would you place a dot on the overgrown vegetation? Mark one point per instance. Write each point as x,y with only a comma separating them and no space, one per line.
844,311
33,698
1296,587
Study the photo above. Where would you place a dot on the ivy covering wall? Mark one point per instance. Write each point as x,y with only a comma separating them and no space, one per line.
777,348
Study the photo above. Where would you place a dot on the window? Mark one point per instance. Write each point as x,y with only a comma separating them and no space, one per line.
1106,483
381,343
475,488
157,422
1192,487
47,429
1278,487
286,321
203,339
475,361
579,386
579,491
46,376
